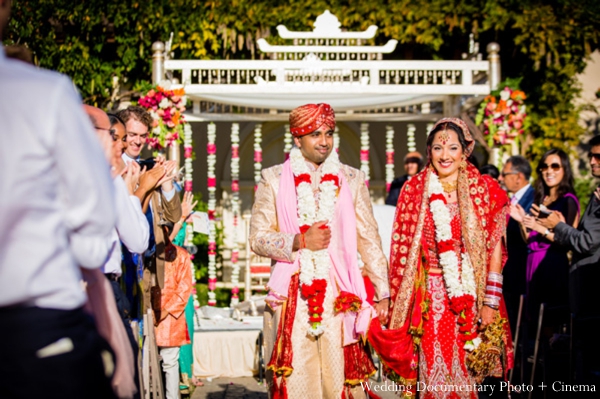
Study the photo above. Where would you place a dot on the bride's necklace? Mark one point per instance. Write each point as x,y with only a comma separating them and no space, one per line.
449,186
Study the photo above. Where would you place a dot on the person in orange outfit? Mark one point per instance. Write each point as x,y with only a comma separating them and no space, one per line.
169,305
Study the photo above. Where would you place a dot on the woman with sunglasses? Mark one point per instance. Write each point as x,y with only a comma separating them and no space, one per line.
547,262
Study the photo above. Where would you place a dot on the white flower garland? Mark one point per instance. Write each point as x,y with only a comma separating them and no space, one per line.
315,265
235,210
390,174
457,283
257,154
364,151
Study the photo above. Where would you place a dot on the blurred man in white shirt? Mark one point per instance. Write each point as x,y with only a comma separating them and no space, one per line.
56,214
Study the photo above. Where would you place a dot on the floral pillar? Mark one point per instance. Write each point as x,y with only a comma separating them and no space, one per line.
410,134
336,138
211,150
187,155
389,157
429,127
257,154
364,151
287,142
235,209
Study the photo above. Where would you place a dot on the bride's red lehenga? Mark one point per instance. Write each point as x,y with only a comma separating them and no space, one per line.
422,343
442,353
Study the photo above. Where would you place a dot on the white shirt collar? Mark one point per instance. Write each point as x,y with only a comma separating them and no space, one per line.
519,194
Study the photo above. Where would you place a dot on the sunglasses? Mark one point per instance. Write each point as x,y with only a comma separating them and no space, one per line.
595,155
504,174
553,166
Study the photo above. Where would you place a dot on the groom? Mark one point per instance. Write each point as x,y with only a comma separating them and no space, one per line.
311,216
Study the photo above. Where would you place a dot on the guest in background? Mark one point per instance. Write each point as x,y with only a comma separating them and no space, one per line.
161,206
490,170
547,262
171,326
515,178
584,273
186,356
413,163
56,215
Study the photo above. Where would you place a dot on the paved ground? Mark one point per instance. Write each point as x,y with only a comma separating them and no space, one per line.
247,388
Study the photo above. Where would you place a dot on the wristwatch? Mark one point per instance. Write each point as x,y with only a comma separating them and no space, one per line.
546,233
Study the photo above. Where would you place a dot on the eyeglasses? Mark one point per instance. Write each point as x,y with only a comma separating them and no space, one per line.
504,174
112,132
553,166
595,155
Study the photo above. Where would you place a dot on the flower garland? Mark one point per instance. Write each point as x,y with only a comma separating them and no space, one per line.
389,157
166,108
460,282
410,134
315,265
235,209
503,117
211,150
257,154
188,155
287,142
336,138
364,151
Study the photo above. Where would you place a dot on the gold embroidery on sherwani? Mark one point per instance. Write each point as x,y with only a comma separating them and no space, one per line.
325,354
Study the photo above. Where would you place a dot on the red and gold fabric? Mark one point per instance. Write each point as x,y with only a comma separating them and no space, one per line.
482,206
308,118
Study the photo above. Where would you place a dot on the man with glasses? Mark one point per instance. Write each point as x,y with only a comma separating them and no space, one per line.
515,178
161,207
584,273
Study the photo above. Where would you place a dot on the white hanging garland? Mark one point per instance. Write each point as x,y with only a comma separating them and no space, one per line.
235,210
315,265
211,150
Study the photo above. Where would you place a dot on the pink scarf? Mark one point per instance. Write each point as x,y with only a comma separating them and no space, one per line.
342,250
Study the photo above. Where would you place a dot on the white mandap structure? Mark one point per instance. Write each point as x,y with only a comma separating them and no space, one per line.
383,108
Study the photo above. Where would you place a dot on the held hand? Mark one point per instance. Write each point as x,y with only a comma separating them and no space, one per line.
132,176
149,180
167,180
487,317
383,308
530,223
552,220
535,210
318,236
517,212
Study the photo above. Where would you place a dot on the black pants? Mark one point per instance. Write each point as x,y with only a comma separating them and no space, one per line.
49,353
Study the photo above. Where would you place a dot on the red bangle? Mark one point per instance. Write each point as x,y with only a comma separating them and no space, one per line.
302,241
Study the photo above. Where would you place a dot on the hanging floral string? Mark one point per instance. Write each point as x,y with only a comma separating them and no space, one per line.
315,265
364,151
188,154
410,134
166,108
211,150
235,210
389,157
459,277
336,138
287,142
257,154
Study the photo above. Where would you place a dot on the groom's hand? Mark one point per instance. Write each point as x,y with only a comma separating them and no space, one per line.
382,308
318,236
